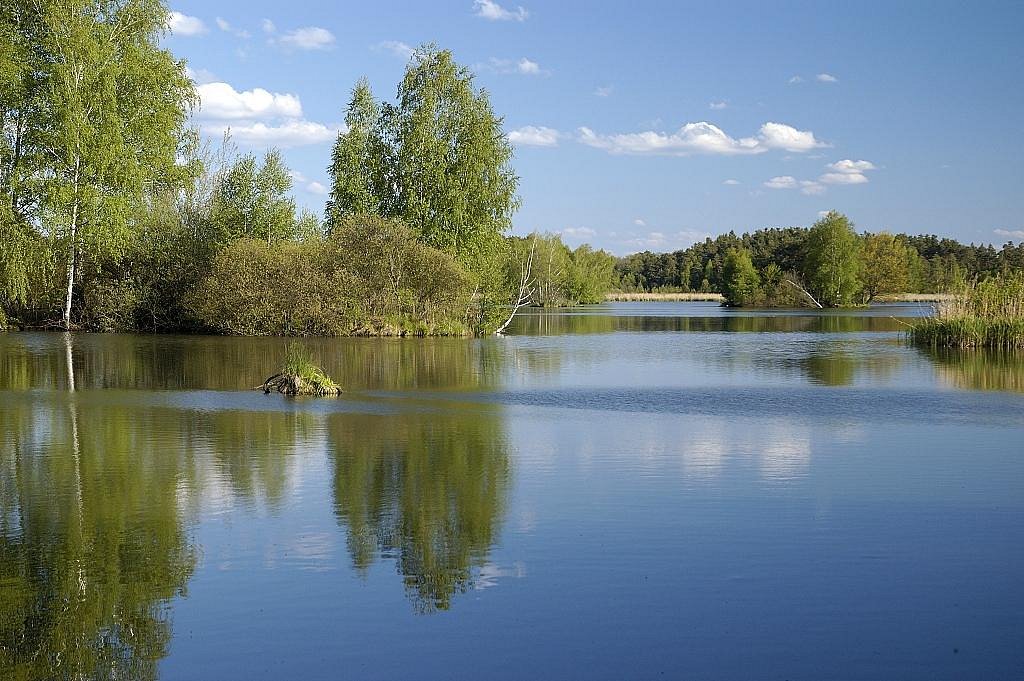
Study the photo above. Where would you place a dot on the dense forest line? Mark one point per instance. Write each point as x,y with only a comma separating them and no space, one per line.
116,216
755,267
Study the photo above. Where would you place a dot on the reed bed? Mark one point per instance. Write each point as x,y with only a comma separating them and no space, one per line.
914,297
619,297
986,314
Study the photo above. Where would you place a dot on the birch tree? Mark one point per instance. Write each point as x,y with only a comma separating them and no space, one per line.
115,109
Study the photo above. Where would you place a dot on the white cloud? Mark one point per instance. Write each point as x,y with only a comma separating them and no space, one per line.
308,38
396,47
183,24
527,67
290,133
731,182
523,66
704,138
782,182
639,223
200,76
823,213
660,241
847,172
1010,233
534,136
268,26
579,232
221,101
492,11
795,79
826,78
603,91
223,25
782,136
316,188
716,106
811,187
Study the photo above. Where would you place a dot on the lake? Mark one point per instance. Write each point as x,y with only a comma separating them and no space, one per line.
664,490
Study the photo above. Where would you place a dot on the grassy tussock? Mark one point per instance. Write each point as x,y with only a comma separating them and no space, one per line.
300,376
617,297
987,314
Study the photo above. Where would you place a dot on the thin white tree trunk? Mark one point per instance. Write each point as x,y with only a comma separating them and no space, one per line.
524,284
72,257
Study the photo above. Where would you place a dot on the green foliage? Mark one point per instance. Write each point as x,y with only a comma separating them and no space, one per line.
985,314
251,201
887,263
370,276
742,285
832,260
358,160
438,160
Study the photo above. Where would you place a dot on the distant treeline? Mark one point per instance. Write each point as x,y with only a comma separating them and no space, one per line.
882,263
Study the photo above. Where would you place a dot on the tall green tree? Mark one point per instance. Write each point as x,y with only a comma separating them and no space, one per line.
251,200
740,280
115,109
358,160
886,265
452,173
832,260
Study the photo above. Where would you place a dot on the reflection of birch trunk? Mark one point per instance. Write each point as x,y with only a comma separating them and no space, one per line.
70,363
76,456
524,296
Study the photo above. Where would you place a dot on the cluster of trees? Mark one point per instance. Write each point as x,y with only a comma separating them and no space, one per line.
115,216
871,264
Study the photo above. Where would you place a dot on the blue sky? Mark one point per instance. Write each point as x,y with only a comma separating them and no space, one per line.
653,124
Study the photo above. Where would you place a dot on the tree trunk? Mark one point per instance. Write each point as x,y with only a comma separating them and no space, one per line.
72,256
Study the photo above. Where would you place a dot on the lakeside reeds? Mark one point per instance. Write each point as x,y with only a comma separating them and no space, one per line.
986,314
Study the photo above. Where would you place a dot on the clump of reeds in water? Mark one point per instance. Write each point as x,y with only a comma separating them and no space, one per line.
300,376
985,314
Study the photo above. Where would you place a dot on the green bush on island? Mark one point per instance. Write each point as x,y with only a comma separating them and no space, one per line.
985,314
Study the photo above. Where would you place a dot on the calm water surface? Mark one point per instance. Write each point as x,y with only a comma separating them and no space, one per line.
626,491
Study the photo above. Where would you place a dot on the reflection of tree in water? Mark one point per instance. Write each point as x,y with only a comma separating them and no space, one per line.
428,490
92,544
979,369
558,322
211,363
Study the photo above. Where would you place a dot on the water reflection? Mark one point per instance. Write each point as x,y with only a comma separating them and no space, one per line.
37,360
559,322
425,490
92,544
979,369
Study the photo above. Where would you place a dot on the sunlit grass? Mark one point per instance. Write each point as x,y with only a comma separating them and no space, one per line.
987,314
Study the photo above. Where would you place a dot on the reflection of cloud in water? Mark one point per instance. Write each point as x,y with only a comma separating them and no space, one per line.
488,574
787,454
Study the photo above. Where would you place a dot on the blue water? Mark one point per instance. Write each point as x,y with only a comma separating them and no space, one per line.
630,491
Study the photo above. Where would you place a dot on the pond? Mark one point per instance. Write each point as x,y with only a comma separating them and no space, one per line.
626,491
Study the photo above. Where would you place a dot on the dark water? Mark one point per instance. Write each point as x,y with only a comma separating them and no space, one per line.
629,491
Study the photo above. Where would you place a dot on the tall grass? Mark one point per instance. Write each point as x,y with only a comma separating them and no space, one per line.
300,376
986,314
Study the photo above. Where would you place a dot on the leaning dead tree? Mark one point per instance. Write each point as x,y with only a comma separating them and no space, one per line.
802,290
525,295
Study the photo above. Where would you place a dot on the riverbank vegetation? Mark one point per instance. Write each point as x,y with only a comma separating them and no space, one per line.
116,216
986,314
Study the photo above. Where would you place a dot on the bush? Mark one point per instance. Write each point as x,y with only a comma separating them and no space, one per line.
370,277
